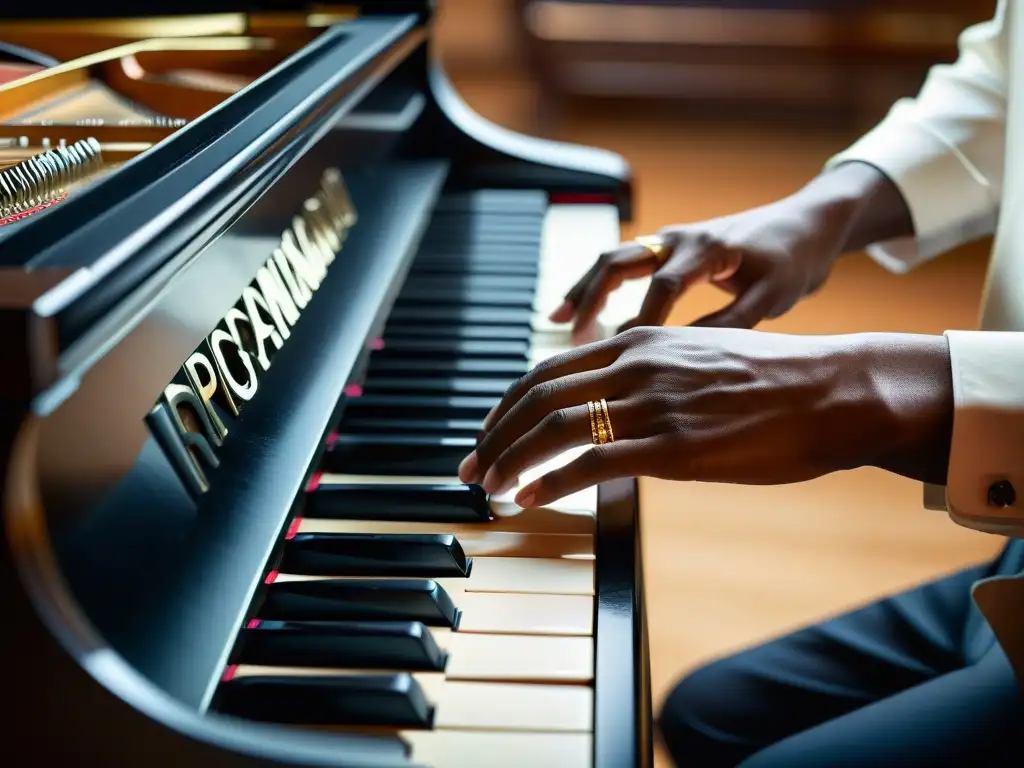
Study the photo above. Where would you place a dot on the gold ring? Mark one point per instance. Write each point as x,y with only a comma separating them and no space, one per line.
654,244
600,422
594,437
607,421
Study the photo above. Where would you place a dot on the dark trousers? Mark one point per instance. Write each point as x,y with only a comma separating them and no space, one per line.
912,680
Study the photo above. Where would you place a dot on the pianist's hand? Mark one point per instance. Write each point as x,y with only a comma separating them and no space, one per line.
768,258
723,405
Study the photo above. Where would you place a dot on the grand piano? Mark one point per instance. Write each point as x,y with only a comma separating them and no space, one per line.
262,275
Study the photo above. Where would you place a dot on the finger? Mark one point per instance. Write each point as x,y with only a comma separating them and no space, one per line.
557,432
628,262
565,311
574,294
530,410
661,295
684,269
745,311
625,458
600,354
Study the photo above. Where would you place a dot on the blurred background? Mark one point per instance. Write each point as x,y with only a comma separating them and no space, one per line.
720,106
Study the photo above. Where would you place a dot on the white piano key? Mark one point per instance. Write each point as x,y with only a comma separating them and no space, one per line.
537,520
573,238
500,749
583,501
526,575
512,658
494,658
518,614
480,705
509,706
475,539
501,506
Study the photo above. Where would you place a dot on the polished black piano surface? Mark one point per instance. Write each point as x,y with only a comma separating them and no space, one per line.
262,275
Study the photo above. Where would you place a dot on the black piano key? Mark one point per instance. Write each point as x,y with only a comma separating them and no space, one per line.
454,225
472,283
413,555
468,385
504,201
402,406
513,248
445,296
360,600
492,368
356,699
412,502
435,348
480,254
393,331
346,644
472,228
451,267
430,427
454,219
409,455
462,315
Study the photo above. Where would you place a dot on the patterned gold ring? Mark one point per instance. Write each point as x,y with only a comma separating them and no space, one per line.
600,422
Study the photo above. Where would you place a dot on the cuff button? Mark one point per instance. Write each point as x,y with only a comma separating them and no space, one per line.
1001,494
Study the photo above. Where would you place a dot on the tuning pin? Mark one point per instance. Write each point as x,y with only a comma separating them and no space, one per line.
27,184
79,160
46,176
53,168
95,153
65,162
40,177
7,195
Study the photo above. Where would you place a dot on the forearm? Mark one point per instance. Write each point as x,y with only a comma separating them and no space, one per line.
859,202
908,378
888,403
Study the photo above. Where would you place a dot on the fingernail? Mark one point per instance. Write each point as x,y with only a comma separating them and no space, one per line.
562,313
526,496
488,417
490,482
467,469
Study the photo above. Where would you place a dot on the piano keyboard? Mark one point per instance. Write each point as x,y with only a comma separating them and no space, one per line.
405,601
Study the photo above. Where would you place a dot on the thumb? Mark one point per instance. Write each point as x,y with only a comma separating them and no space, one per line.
745,311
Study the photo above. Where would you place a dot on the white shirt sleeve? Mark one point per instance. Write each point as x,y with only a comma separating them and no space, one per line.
944,149
985,483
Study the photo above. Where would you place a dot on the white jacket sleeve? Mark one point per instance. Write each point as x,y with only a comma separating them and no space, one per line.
944,149
985,483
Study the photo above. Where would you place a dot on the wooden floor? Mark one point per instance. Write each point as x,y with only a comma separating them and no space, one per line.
728,566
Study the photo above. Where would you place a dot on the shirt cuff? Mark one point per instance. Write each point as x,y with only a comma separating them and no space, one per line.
950,201
985,482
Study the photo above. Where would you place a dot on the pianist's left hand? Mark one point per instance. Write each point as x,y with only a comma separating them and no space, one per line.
723,405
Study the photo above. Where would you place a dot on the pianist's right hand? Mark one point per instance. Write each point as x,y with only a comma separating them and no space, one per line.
767,258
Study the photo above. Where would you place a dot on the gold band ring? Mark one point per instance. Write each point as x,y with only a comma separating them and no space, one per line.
600,422
655,245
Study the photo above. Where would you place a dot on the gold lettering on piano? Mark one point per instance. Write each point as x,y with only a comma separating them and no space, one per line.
195,413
